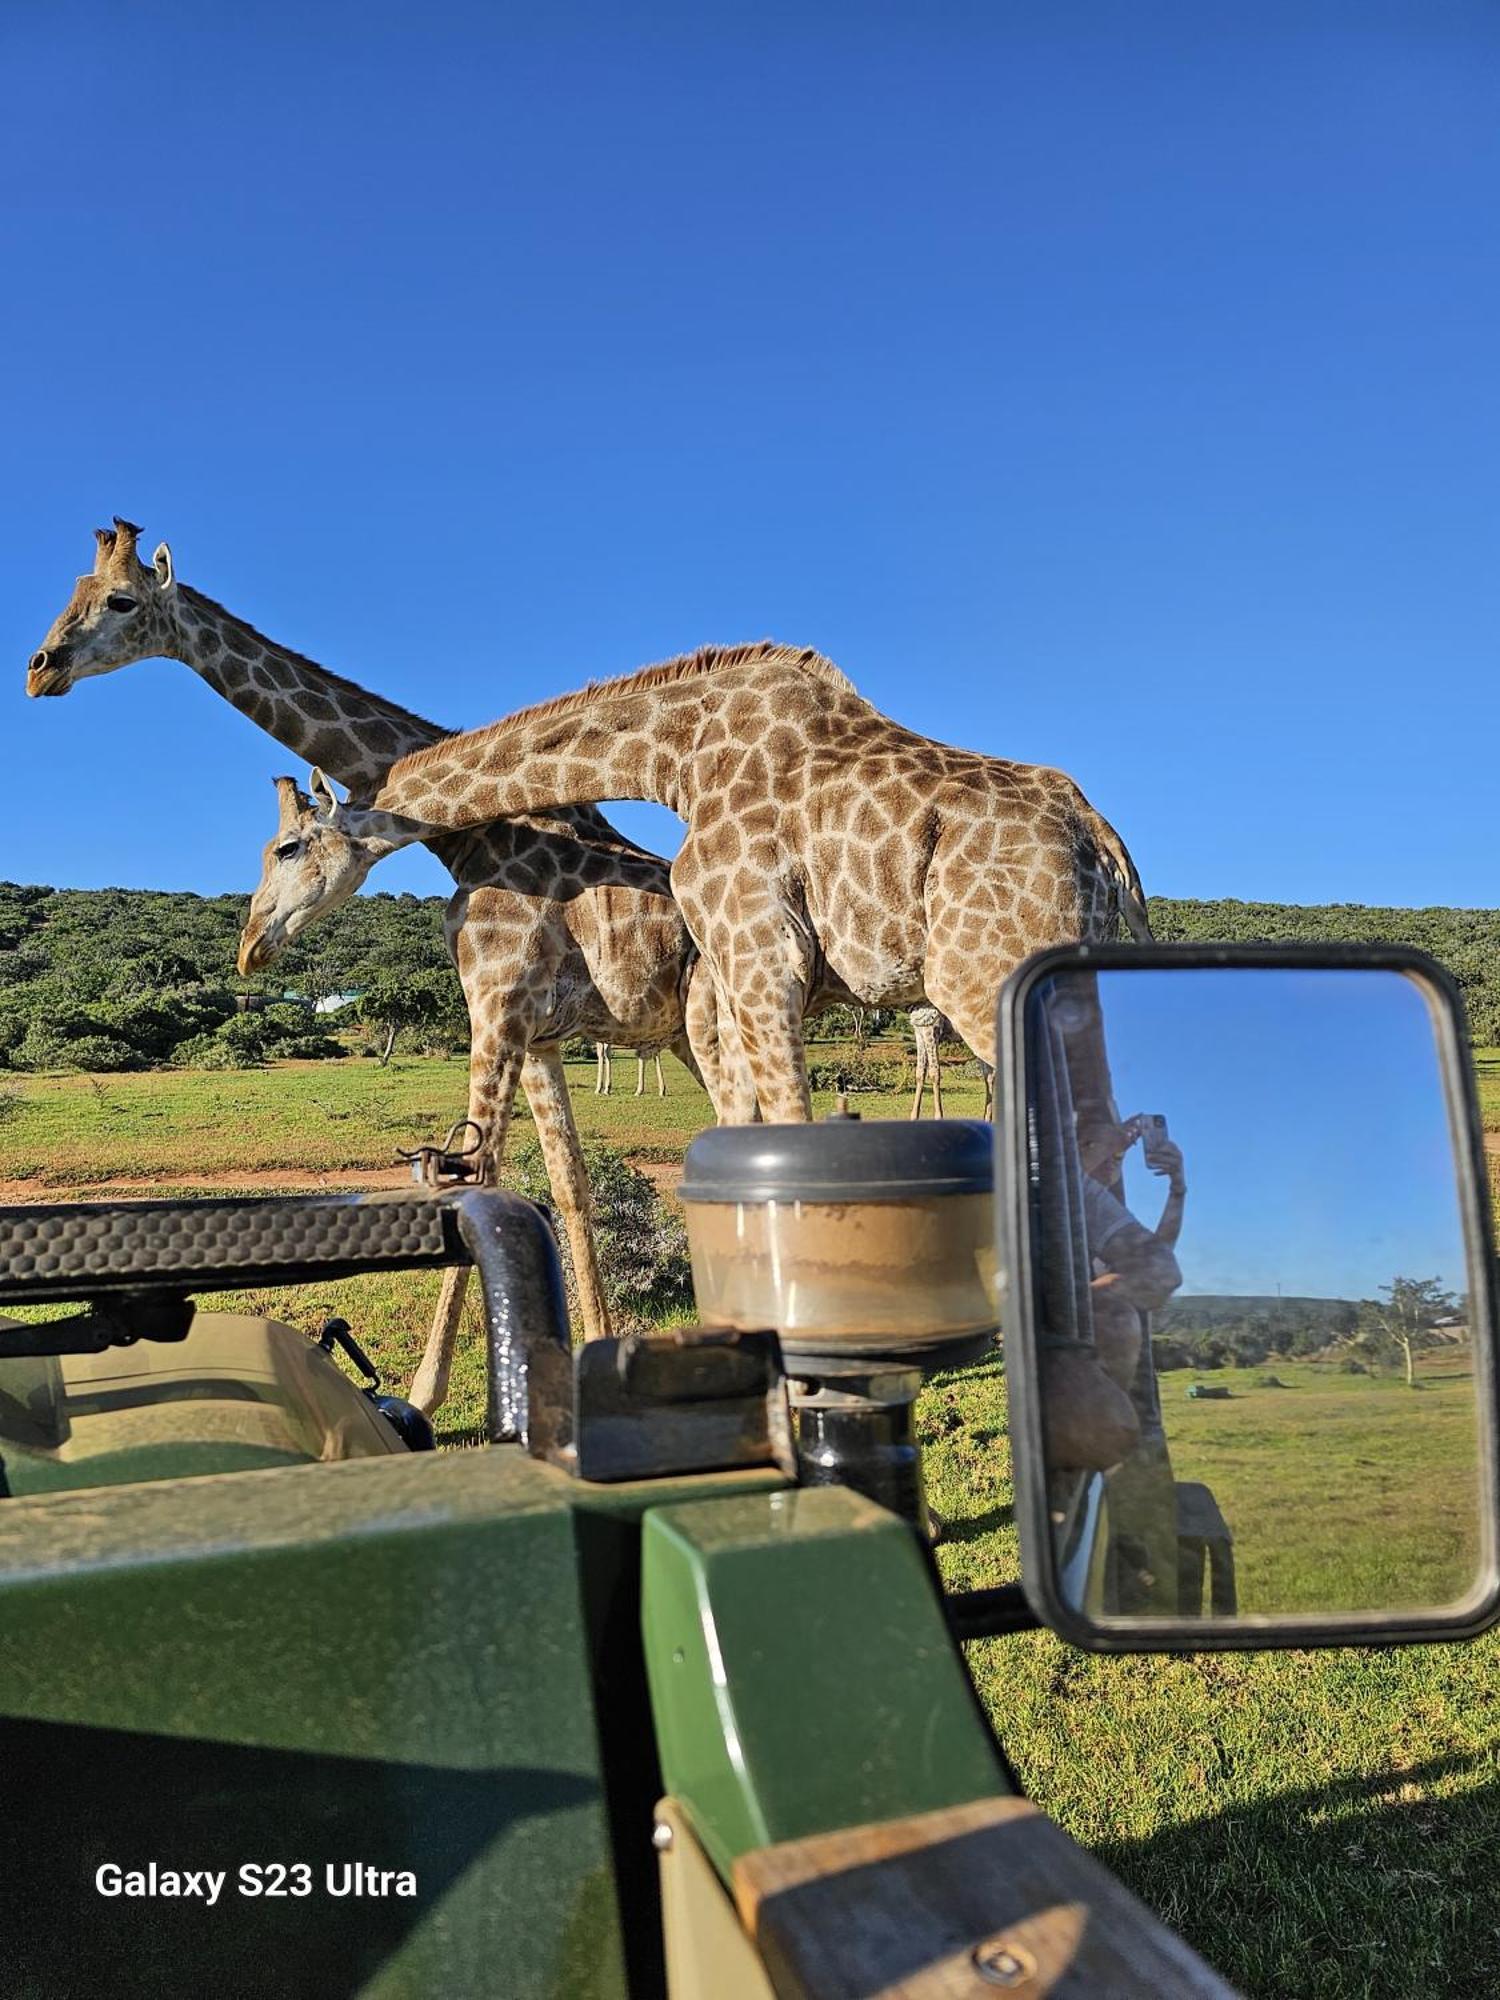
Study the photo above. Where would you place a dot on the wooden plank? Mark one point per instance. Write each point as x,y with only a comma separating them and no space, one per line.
960,1904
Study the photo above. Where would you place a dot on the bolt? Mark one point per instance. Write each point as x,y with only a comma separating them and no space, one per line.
1001,1964
661,1837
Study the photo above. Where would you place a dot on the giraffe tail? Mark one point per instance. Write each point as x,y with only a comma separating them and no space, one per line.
1130,897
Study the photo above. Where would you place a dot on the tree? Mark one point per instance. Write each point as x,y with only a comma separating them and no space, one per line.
1404,1318
397,1000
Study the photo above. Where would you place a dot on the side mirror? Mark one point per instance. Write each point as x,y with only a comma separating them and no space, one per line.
1248,1310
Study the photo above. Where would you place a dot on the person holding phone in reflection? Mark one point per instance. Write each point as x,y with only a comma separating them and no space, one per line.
1136,1269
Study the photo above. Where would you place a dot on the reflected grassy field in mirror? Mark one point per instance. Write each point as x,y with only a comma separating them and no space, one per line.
1250,1252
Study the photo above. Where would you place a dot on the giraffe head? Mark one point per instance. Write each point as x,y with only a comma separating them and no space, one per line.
322,852
120,612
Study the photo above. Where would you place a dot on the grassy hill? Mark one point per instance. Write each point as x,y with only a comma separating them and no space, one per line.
114,979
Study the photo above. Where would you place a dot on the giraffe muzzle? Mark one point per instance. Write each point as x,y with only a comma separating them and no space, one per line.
47,673
253,953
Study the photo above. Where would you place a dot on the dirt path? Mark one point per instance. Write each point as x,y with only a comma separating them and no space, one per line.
284,1180
663,1174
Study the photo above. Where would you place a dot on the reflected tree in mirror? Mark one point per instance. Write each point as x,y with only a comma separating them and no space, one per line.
1255,1368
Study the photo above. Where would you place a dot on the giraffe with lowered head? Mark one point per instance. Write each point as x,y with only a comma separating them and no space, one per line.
559,924
827,846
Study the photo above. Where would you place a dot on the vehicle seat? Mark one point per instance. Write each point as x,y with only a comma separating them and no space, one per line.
237,1395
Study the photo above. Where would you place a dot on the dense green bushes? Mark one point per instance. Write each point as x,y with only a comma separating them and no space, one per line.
643,1248
114,979
126,978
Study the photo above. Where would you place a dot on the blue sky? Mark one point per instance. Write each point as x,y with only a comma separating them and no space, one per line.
1108,386
1309,1108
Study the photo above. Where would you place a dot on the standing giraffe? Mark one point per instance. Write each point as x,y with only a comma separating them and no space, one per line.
555,916
930,1031
823,839
604,1073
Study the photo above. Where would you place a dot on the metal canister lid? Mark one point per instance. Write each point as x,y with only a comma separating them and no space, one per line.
882,1159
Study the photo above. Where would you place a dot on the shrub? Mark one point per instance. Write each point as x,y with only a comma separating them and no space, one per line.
155,1022
642,1243
855,1073
311,1048
220,1050
97,1054
72,1039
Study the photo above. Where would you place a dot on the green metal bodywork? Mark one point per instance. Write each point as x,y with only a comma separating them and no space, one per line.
802,1675
436,1665
423,1663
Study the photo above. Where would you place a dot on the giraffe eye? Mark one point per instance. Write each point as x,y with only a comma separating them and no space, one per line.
118,601
287,849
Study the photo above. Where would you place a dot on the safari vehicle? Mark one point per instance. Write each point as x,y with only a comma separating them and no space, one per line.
659,1692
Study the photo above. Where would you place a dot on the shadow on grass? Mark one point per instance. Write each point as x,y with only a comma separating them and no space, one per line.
459,1437
1365,1886
976,1527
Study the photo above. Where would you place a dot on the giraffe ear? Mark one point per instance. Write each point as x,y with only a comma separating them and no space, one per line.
161,562
324,802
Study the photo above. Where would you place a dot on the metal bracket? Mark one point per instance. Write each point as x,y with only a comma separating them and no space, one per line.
443,1166
335,1332
695,1399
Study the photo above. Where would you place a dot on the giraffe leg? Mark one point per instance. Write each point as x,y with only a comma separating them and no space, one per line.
640,1074
429,1389
715,1042
700,1032
494,1071
937,1080
737,1085
766,1001
661,1081
547,1093
916,1103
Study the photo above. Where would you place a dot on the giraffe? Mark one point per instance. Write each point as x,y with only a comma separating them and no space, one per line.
555,917
931,1030
826,844
604,1073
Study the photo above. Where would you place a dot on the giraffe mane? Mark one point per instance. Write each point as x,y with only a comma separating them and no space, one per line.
392,708
685,666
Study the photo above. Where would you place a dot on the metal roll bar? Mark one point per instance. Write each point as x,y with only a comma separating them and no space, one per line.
109,1256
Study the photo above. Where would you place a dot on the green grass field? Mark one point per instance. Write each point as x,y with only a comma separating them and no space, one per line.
1346,1455
1317,1823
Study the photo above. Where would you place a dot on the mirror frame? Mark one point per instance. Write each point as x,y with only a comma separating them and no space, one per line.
1472,1615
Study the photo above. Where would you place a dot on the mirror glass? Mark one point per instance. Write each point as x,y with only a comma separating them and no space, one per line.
1256,1373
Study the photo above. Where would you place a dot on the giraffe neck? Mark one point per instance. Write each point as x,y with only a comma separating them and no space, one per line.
635,749
326,720
648,737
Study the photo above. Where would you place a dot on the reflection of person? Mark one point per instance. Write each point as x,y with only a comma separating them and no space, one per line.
1136,1268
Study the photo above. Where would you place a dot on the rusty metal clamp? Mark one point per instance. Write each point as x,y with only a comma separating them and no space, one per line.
442,1166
